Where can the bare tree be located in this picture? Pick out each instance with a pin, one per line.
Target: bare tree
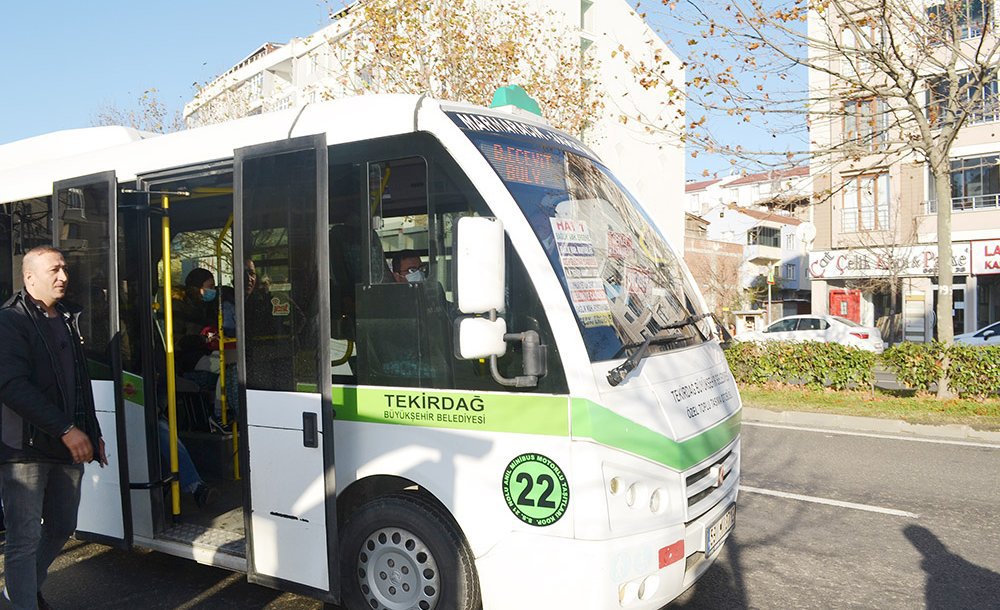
(895, 80)
(148, 114)
(890, 261)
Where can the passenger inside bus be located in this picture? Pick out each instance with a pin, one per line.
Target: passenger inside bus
(407, 267)
(195, 329)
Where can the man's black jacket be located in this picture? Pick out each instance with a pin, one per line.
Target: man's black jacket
(34, 413)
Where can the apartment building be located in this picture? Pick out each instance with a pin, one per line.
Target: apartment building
(765, 217)
(311, 69)
(875, 258)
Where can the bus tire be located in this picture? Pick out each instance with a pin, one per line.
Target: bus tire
(404, 551)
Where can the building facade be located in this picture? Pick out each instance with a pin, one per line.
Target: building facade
(650, 163)
(876, 257)
(765, 217)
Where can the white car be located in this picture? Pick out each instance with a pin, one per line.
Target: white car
(989, 335)
(823, 328)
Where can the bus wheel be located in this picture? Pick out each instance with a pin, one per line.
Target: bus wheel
(403, 551)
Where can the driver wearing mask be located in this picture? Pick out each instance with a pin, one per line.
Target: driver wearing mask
(407, 267)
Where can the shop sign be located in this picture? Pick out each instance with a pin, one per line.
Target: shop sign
(906, 261)
(986, 257)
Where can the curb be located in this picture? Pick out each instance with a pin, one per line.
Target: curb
(953, 432)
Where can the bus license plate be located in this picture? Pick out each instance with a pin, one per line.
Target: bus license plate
(717, 532)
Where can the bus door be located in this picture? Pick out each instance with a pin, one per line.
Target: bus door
(284, 364)
(84, 227)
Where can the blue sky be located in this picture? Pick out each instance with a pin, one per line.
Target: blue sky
(67, 60)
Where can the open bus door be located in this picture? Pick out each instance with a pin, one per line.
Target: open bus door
(84, 227)
(283, 326)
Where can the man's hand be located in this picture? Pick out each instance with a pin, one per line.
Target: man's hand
(79, 446)
(102, 458)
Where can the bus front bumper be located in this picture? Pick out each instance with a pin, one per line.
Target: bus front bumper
(641, 571)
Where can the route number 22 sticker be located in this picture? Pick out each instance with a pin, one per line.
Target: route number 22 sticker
(535, 489)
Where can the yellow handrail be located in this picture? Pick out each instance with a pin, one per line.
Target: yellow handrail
(168, 318)
(222, 349)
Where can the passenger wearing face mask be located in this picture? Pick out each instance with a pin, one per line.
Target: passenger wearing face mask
(407, 267)
(195, 327)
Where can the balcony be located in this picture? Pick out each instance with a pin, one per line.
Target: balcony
(966, 204)
(759, 254)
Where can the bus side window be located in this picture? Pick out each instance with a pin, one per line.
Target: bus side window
(405, 320)
(403, 324)
(347, 242)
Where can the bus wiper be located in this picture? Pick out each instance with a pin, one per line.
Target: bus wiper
(620, 372)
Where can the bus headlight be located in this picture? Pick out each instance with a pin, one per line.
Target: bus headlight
(616, 486)
(658, 499)
(635, 494)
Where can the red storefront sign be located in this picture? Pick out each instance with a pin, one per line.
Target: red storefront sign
(986, 257)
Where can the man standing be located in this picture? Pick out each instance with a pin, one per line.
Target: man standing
(48, 426)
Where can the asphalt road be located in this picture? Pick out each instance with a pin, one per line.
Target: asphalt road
(921, 529)
(825, 520)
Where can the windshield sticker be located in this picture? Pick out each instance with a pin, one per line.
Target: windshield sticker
(620, 246)
(536, 489)
(638, 281)
(576, 248)
(589, 301)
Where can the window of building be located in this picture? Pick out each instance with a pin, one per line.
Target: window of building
(866, 203)
(975, 184)
(764, 236)
(790, 242)
(866, 122)
(857, 40)
(978, 99)
(790, 271)
(966, 17)
(587, 15)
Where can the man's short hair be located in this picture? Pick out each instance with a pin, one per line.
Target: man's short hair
(397, 258)
(37, 251)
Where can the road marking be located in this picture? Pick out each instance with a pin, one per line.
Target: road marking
(937, 441)
(828, 502)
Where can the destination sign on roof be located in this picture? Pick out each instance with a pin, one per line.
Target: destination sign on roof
(482, 123)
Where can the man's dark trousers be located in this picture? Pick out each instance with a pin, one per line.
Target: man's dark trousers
(41, 505)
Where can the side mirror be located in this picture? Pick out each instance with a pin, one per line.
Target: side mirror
(988, 334)
(480, 338)
(480, 265)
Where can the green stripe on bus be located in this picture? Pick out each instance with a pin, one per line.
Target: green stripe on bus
(608, 428)
(480, 411)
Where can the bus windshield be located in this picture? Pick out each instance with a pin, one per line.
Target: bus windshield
(624, 282)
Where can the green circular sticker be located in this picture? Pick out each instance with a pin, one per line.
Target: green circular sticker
(536, 489)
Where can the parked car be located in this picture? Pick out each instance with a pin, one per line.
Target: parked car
(988, 335)
(823, 328)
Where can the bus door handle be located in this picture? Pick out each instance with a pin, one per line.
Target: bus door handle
(310, 430)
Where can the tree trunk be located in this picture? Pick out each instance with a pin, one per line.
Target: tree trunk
(945, 329)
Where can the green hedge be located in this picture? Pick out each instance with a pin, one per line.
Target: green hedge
(974, 370)
(811, 363)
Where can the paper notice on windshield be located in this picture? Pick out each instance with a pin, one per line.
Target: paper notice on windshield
(589, 301)
(620, 245)
(576, 248)
(638, 281)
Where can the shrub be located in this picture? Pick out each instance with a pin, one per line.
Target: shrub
(811, 363)
(974, 370)
(916, 365)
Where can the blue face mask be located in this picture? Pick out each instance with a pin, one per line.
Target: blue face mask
(209, 295)
(416, 275)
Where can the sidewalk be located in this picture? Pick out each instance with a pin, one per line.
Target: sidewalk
(952, 432)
